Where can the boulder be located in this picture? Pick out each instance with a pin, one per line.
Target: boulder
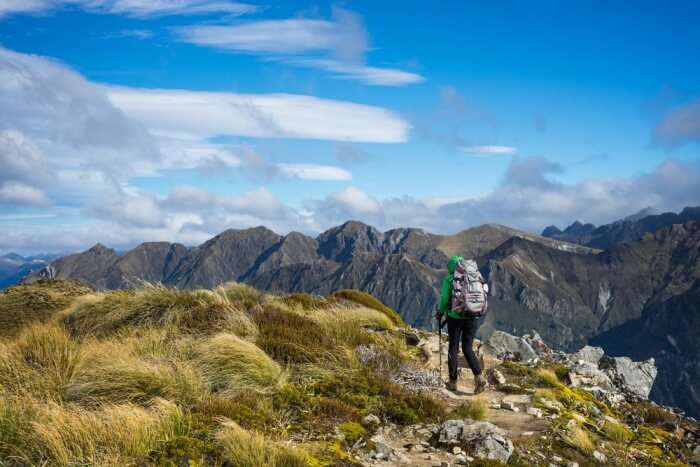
(635, 378)
(508, 347)
(480, 439)
(588, 354)
(585, 374)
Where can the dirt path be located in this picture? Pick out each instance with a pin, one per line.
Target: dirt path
(410, 444)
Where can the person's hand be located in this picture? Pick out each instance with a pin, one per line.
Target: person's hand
(438, 315)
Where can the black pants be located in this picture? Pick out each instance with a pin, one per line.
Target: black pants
(462, 331)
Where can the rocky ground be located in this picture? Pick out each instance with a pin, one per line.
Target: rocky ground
(598, 415)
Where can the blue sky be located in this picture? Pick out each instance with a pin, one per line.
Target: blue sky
(130, 120)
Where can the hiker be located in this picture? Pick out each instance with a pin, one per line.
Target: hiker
(463, 298)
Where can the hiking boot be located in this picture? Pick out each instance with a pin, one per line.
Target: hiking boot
(451, 385)
(479, 384)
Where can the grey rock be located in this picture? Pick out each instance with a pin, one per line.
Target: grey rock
(636, 378)
(505, 345)
(486, 440)
(382, 448)
(600, 457)
(450, 432)
(509, 405)
(496, 377)
(588, 354)
(535, 412)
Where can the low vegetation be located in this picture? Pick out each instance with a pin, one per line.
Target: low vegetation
(172, 377)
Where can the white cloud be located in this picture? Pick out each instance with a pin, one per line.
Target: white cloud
(315, 172)
(274, 36)
(338, 45)
(206, 114)
(487, 150)
(136, 8)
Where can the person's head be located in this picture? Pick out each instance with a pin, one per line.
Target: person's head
(452, 264)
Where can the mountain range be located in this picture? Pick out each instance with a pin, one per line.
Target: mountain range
(14, 267)
(628, 229)
(620, 297)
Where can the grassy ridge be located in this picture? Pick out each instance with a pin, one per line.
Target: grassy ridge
(205, 377)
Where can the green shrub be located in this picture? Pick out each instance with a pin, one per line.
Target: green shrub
(248, 410)
(365, 299)
(353, 432)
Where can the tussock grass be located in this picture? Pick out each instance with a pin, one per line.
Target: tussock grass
(198, 312)
(232, 365)
(144, 377)
(241, 296)
(548, 378)
(47, 347)
(109, 436)
(111, 373)
(16, 430)
(367, 300)
(617, 432)
(579, 439)
(289, 337)
(247, 449)
(27, 303)
(473, 409)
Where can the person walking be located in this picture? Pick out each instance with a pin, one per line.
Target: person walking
(463, 300)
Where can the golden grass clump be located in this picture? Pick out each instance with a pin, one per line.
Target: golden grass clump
(48, 348)
(27, 303)
(111, 373)
(232, 365)
(247, 449)
(578, 438)
(367, 300)
(111, 435)
(473, 409)
(617, 432)
(197, 312)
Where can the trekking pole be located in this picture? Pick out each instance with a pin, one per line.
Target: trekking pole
(439, 318)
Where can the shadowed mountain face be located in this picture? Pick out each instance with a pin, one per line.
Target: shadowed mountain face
(628, 229)
(568, 293)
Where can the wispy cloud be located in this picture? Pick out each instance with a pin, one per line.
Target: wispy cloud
(207, 114)
(680, 125)
(371, 75)
(133, 33)
(487, 150)
(338, 45)
(315, 172)
(135, 8)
